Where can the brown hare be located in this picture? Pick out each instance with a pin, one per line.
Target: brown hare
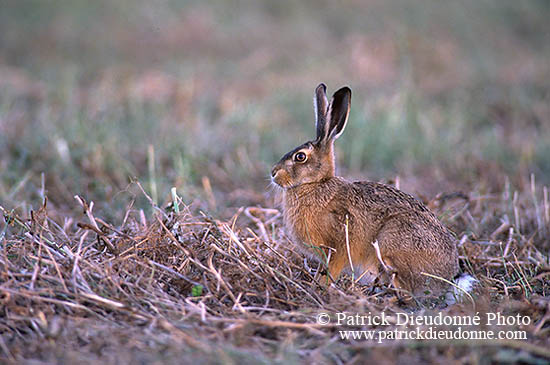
(368, 227)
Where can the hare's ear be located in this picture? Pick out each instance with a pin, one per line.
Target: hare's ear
(320, 103)
(338, 112)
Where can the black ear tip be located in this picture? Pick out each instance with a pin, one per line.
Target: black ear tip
(344, 90)
(343, 93)
(321, 86)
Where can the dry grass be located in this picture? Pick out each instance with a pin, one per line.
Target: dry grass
(185, 287)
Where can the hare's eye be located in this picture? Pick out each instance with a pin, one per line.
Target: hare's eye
(300, 157)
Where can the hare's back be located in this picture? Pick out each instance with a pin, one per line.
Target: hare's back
(383, 203)
(384, 196)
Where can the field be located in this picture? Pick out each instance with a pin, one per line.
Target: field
(136, 139)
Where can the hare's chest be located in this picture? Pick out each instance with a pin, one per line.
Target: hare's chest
(307, 226)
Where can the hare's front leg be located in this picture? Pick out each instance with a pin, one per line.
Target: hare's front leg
(336, 264)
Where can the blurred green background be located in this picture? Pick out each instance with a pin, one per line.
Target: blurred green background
(446, 94)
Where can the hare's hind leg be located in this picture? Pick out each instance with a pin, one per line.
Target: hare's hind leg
(407, 250)
(398, 275)
(415, 273)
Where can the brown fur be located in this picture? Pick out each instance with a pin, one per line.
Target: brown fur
(318, 205)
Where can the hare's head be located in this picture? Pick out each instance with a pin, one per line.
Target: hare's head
(313, 161)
